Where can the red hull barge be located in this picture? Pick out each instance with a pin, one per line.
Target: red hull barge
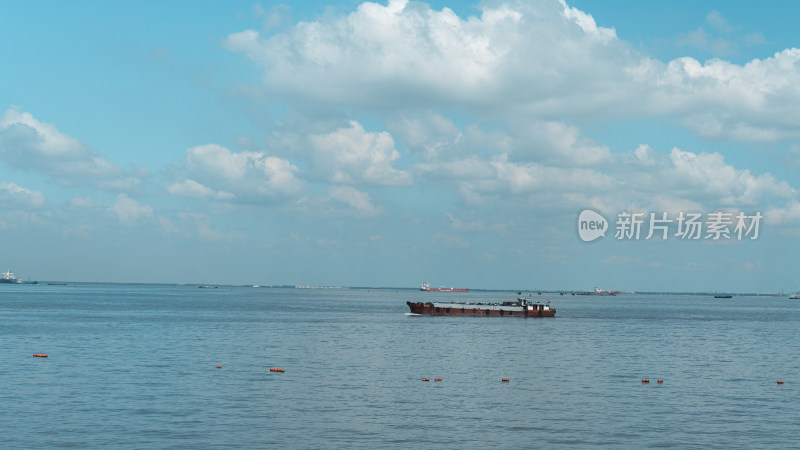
(427, 288)
(520, 308)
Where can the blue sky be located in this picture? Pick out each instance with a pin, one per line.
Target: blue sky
(394, 143)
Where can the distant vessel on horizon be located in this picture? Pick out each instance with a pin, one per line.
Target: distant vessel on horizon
(9, 278)
(427, 288)
(598, 291)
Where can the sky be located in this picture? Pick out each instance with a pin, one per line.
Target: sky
(393, 143)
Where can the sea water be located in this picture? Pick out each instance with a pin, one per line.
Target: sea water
(136, 367)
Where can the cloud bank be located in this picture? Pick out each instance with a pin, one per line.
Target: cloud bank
(543, 59)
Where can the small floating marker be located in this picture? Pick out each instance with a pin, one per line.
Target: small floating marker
(437, 379)
(275, 369)
(780, 381)
(44, 355)
(506, 380)
(645, 380)
(660, 381)
(219, 366)
(426, 379)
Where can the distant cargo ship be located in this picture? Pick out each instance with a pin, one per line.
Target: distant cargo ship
(9, 278)
(427, 287)
(598, 291)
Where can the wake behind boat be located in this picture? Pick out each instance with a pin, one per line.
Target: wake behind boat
(427, 287)
(520, 308)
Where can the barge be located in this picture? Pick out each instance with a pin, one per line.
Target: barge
(522, 307)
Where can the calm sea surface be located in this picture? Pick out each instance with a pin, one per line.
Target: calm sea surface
(135, 367)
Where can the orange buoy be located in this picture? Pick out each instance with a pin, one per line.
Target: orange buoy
(660, 381)
(645, 380)
(437, 379)
(40, 355)
(219, 367)
(505, 380)
(780, 381)
(426, 379)
(275, 369)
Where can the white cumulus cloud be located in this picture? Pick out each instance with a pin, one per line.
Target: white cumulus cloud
(536, 59)
(13, 196)
(407, 53)
(191, 188)
(355, 156)
(129, 211)
(214, 171)
(31, 144)
(701, 178)
(358, 202)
